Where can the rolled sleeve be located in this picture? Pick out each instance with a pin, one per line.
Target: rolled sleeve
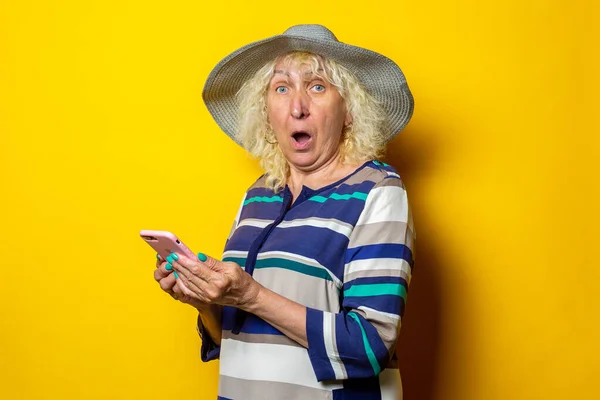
(359, 341)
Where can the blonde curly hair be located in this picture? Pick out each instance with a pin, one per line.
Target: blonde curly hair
(362, 140)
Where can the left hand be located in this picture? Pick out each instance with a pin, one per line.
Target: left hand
(216, 282)
(168, 283)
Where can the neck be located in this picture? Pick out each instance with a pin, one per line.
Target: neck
(331, 171)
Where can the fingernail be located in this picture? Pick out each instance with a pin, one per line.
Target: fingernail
(170, 259)
(175, 256)
(202, 257)
(176, 276)
(158, 257)
(168, 267)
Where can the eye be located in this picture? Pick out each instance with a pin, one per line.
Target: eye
(318, 88)
(281, 89)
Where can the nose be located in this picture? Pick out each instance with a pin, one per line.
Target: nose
(299, 107)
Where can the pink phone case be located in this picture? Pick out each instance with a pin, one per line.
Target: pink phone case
(165, 243)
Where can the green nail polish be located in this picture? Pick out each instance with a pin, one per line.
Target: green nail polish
(202, 257)
(175, 256)
(157, 257)
(170, 259)
(168, 267)
(176, 276)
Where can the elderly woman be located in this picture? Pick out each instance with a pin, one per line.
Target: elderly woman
(307, 300)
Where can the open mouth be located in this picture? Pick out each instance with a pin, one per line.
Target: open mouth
(301, 138)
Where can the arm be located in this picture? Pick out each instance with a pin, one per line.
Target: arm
(209, 316)
(284, 314)
(209, 323)
(209, 329)
(360, 340)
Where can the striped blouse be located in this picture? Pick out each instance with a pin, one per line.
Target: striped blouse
(345, 251)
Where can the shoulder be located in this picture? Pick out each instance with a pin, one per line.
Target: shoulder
(375, 174)
(259, 187)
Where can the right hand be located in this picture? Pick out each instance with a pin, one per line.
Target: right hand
(169, 284)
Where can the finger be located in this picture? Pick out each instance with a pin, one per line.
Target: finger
(181, 286)
(212, 265)
(167, 283)
(191, 282)
(189, 268)
(164, 269)
(210, 262)
(177, 296)
(176, 289)
(159, 260)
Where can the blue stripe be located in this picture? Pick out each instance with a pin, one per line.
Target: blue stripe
(307, 241)
(388, 303)
(316, 345)
(252, 323)
(387, 250)
(368, 280)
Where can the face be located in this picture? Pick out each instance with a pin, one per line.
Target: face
(307, 115)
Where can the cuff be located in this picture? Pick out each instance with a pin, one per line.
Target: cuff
(209, 349)
(317, 351)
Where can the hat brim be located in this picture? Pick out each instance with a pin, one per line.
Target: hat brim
(379, 75)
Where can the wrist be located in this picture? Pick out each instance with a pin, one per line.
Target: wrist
(253, 298)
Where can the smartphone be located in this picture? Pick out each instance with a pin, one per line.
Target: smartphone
(165, 243)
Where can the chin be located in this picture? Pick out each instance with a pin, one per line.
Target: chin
(302, 160)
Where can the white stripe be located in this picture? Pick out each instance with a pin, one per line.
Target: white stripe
(333, 224)
(386, 203)
(393, 174)
(235, 253)
(304, 260)
(270, 362)
(390, 384)
(374, 264)
(258, 223)
(237, 218)
(394, 317)
(331, 347)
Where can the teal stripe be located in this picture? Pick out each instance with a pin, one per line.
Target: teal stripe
(293, 266)
(368, 349)
(263, 199)
(335, 196)
(376, 289)
(241, 261)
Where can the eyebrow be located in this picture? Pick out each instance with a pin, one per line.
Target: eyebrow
(307, 73)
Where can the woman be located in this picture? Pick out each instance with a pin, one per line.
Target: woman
(308, 298)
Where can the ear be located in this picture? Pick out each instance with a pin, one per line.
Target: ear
(348, 120)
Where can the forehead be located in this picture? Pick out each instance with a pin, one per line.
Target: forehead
(302, 69)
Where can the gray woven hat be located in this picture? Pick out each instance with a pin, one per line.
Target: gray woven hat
(380, 76)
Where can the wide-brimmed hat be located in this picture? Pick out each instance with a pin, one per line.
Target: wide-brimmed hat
(379, 75)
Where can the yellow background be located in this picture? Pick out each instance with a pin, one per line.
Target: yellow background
(103, 133)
